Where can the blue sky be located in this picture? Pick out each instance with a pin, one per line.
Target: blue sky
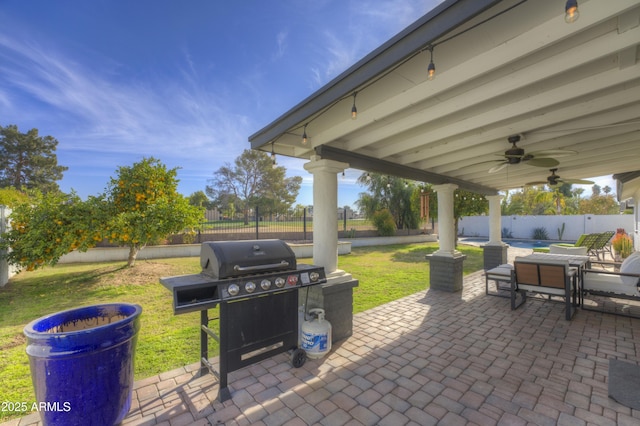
(184, 81)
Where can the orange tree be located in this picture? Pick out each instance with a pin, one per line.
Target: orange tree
(145, 206)
(46, 226)
(141, 206)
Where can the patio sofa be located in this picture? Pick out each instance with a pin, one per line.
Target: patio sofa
(622, 283)
(550, 277)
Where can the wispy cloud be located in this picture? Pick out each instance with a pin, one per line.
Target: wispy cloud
(158, 115)
(186, 112)
(281, 44)
(371, 22)
(392, 14)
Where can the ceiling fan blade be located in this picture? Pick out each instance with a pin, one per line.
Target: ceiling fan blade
(543, 182)
(577, 181)
(543, 162)
(498, 167)
(552, 153)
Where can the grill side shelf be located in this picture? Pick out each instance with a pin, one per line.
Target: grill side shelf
(192, 293)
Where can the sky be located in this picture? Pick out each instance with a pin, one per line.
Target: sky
(186, 82)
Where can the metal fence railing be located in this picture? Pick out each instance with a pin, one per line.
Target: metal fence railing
(296, 224)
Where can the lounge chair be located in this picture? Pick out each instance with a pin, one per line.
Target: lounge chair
(581, 247)
(601, 245)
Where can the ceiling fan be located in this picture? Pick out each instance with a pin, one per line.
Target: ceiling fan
(516, 155)
(554, 179)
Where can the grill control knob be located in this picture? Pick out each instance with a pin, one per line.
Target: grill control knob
(233, 289)
(250, 287)
(280, 282)
(265, 284)
(314, 276)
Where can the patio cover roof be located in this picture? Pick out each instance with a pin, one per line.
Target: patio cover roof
(504, 67)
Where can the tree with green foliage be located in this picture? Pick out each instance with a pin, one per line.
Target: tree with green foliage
(600, 202)
(145, 206)
(47, 226)
(10, 197)
(28, 161)
(465, 203)
(200, 199)
(141, 207)
(390, 193)
(253, 181)
(559, 199)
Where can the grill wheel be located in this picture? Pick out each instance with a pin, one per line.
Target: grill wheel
(298, 357)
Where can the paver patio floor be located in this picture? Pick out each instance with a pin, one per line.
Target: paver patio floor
(430, 358)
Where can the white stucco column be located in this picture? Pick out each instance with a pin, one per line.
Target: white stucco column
(325, 210)
(446, 222)
(636, 220)
(495, 220)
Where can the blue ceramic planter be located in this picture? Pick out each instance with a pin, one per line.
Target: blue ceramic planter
(82, 363)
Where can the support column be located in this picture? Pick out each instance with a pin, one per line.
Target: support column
(636, 220)
(325, 210)
(445, 265)
(336, 296)
(446, 221)
(495, 251)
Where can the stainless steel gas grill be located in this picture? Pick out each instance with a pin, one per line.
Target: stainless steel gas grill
(256, 285)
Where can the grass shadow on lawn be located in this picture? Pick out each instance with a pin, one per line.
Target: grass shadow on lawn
(31, 295)
(473, 262)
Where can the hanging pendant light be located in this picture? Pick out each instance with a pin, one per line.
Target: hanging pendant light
(571, 11)
(273, 158)
(305, 139)
(431, 69)
(354, 110)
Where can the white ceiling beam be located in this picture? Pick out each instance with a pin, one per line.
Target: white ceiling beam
(509, 51)
(570, 137)
(518, 79)
(540, 107)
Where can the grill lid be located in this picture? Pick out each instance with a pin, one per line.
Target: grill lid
(224, 259)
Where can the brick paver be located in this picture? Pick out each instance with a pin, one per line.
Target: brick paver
(430, 358)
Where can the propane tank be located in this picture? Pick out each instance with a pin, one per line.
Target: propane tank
(316, 335)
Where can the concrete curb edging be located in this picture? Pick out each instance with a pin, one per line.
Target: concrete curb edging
(304, 250)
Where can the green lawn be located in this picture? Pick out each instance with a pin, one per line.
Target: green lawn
(167, 341)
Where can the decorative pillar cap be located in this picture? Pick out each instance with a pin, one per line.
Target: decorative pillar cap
(318, 164)
(445, 187)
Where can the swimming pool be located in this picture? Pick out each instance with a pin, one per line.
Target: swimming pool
(513, 242)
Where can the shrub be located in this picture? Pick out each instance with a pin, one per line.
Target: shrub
(540, 234)
(384, 223)
(506, 233)
(622, 244)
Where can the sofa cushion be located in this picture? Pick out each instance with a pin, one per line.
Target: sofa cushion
(631, 265)
(608, 283)
(560, 249)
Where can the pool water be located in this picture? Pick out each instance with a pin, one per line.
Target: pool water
(529, 244)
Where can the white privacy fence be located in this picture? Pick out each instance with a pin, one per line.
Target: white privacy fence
(523, 226)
